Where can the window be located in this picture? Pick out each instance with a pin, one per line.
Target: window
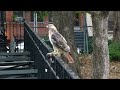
(4, 16)
(18, 16)
(18, 13)
(32, 16)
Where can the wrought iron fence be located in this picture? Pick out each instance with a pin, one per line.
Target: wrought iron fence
(55, 69)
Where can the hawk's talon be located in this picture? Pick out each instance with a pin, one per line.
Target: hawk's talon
(48, 55)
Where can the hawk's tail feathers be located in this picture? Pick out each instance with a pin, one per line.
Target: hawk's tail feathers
(70, 59)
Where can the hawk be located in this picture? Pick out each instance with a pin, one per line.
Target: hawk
(59, 43)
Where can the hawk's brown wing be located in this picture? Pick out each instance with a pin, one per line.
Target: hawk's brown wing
(59, 41)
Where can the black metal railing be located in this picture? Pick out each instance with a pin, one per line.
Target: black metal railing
(47, 69)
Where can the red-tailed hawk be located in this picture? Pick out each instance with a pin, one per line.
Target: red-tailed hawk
(59, 43)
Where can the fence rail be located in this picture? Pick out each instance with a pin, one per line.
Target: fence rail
(47, 69)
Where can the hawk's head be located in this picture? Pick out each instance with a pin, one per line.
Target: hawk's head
(51, 27)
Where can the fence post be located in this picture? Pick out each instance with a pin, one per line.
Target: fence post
(86, 32)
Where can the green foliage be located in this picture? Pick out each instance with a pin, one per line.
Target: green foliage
(14, 16)
(114, 51)
(90, 44)
(42, 14)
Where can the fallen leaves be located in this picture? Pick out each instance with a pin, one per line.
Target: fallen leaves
(86, 68)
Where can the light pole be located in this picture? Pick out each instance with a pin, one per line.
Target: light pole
(35, 22)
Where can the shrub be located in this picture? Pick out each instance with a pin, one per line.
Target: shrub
(114, 51)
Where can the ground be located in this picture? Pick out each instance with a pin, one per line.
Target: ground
(86, 66)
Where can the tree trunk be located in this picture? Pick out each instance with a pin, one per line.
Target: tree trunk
(64, 21)
(116, 32)
(100, 69)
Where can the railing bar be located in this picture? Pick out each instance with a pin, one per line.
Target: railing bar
(14, 54)
(27, 71)
(42, 54)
